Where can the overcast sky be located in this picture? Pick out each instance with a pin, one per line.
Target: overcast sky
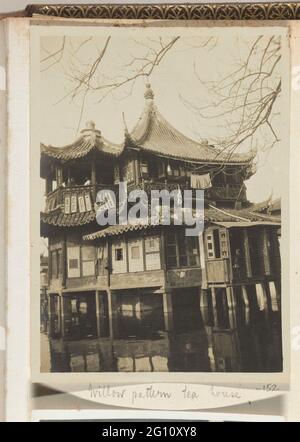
(176, 77)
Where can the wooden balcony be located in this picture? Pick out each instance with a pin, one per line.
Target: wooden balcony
(152, 278)
(56, 198)
(184, 277)
(229, 192)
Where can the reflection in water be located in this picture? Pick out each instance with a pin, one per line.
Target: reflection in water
(252, 345)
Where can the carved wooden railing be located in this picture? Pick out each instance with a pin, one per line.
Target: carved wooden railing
(56, 198)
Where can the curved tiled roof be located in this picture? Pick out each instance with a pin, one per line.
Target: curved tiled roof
(152, 133)
(155, 134)
(214, 214)
(117, 230)
(89, 139)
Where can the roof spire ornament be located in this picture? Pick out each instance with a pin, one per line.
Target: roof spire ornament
(90, 125)
(149, 95)
(90, 130)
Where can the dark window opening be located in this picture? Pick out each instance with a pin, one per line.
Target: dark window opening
(182, 250)
(73, 263)
(238, 253)
(119, 254)
(217, 243)
(255, 236)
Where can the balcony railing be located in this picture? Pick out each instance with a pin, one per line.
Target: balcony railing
(56, 198)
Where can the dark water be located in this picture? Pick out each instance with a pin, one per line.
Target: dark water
(252, 345)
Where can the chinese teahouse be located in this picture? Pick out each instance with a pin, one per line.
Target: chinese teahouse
(99, 274)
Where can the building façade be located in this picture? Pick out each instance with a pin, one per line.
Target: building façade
(99, 276)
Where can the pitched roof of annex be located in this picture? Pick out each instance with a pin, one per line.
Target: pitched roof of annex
(226, 218)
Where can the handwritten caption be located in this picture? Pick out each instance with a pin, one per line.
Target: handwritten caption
(150, 392)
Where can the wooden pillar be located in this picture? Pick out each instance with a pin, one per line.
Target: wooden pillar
(59, 313)
(261, 297)
(69, 177)
(64, 260)
(247, 254)
(168, 311)
(98, 312)
(202, 261)
(48, 185)
(268, 299)
(245, 296)
(277, 285)
(93, 174)
(273, 296)
(231, 307)
(59, 175)
(62, 315)
(49, 266)
(50, 315)
(211, 356)
(246, 304)
(214, 306)
(275, 257)
(204, 304)
(266, 251)
(108, 256)
(112, 313)
(230, 297)
(203, 299)
(138, 307)
(163, 251)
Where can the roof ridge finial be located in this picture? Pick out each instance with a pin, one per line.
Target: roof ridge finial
(90, 131)
(149, 94)
(90, 125)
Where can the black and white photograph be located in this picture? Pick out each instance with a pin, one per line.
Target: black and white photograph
(164, 157)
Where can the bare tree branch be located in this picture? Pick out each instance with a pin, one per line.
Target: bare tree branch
(89, 79)
(244, 99)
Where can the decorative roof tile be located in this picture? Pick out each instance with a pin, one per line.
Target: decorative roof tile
(68, 220)
(117, 230)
